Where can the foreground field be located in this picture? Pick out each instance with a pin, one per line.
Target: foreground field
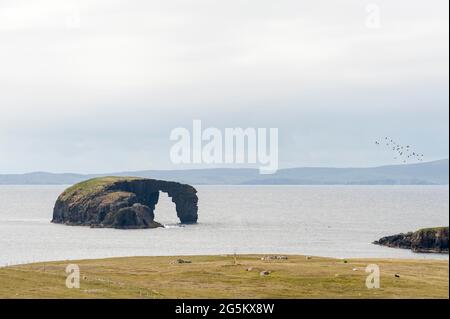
(227, 277)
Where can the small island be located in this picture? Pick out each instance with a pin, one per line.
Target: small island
(426, 240)
(122, 202)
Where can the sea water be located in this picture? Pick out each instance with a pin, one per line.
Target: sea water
(334, 221)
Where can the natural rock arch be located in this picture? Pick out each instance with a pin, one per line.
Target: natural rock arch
(183, 195)
(122, 202)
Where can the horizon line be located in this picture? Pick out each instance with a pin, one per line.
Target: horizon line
(222, 168)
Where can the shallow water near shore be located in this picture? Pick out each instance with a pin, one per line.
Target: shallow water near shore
(331, 221)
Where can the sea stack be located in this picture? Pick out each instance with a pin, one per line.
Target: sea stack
(122, 202)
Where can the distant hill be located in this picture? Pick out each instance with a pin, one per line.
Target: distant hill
(429, 173)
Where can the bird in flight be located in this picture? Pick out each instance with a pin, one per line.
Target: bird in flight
(405, 153)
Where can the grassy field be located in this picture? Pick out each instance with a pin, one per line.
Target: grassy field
(227, 277)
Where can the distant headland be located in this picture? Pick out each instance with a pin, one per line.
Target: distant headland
(426, 173)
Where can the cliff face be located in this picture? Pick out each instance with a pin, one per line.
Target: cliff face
(422, 241)
(118, 202)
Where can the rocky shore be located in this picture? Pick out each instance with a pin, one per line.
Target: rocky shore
(426, 240)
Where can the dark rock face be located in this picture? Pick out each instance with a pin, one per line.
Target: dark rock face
(398, 241)
(122, 202)
(136, 216)
(434, 240)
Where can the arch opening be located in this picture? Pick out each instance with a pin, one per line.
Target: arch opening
(165, 210)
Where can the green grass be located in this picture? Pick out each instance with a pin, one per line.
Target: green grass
(433, 229)
(92, 186)
(223, 277)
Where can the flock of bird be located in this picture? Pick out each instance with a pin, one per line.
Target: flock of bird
(404, 153)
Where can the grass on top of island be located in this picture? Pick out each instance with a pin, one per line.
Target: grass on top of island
(227, 277)
(93, 186)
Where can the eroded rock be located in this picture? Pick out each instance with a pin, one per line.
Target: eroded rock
(119, 202)
(434, 240)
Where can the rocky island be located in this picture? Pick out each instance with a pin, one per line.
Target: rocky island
(426, 240)
(122, 202)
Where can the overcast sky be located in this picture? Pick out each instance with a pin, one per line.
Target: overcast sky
(97, 86)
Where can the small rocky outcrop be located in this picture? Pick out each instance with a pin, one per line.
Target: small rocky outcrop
(122, 202)
(427, 240)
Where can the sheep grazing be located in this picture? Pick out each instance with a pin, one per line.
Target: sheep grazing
(274, 258)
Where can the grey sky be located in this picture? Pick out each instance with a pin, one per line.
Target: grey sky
(97, 86)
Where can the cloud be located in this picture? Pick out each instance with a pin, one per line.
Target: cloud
(110, 71)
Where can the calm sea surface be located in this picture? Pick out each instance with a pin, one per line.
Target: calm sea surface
(335, 221)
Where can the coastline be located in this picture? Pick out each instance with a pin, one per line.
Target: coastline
(227, 276)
